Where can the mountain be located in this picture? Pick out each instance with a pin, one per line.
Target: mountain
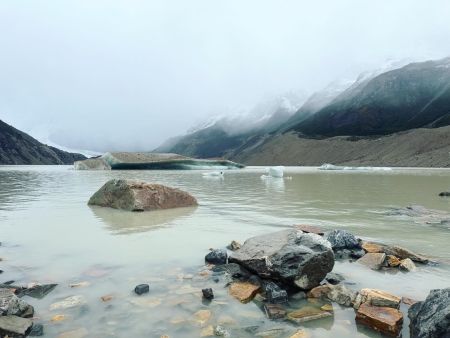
(414, 96)
(17, 147)
(221, 136)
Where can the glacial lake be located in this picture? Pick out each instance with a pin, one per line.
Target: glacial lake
(50, 235)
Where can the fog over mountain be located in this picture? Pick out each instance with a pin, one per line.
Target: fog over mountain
(120, 75)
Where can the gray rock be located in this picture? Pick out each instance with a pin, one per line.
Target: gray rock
(431, 317)
(274, 294)
(37, 330)
(141, 289)
(292, 257)
(407, 265)
(445, 194)
(342, 239)
(341, 295)
(14, 326)
(38, 291)
(134, 195)
(217, 256)
(373, 260)
(334, 278)
(11, 305)
(208, 293)
(220, 331)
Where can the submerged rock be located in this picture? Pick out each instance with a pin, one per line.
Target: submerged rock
(37, 330)
(334, 278)
(289, 256)
(274, 293)
(14, 326)
(431, 317)
(373, 260)
(217, 256)
(69, 302)
(208, 293)
(274, 311)
(382, 319)
(307, 314)
(336, 293)
(38, 291)
(140, 196)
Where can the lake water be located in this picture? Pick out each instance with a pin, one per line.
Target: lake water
(50, 235)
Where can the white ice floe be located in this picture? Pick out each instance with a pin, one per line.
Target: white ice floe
(328, 166)
(277, 172)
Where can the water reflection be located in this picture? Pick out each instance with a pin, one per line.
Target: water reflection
(121, 222)
(273, 183)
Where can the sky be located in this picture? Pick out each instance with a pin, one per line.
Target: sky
(126, 75)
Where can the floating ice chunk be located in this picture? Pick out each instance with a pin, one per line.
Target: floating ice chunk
(213, 174)
(327, 166)
(275, 171)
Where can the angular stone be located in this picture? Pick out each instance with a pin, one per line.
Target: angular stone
(11, 305)
(371, 247)
(306, 314)
(310, 229)
(243, 291)
(217, 256)
(289, 256)
(140, 196)
(342, 239)
(407, 265)
(274, 293)
(13, 326)
(403, 253)
(38, 291)
(37, 330)
(274, 311)
(141, 289)
(234, 270)
(431, 317)
(106, 298)
(336, 293)
(382, 319)
(376, 297)
(208, 293)
(408, 301)
(373, 260)
(392, 261)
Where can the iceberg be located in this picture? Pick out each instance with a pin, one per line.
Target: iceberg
(152, 161)
(275, 171)
(328, 166)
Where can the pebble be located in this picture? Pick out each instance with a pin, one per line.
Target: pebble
(208, 293)
(141, 289)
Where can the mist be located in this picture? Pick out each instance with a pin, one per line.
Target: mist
(127, 75)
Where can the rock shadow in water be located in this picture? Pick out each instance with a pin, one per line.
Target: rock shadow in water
(121, 222)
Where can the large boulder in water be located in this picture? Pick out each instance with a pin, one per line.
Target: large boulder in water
(292, 257)
(140, 196)
(431, 318)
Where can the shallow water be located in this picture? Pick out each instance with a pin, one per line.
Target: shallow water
(49, 234)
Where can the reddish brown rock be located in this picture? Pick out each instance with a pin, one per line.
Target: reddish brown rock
(307, 314)
(319, 291)
(371, 247)
(386, 320)
(243, 291)
(140, 196)
(392, 261)
(310, 229)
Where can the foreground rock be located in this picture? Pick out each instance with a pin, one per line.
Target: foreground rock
(289, 256)
(150, 161)
(431, 317)
(243, 291)
(140, 196)
(11, 305)
(383, 319)
(13, 326)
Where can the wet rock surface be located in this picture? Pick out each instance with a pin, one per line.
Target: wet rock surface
(376, 298)
(135, 195)
(431, 317)
(289, 256)
(373, 260)
(383, 319)
(141, 289)
(217, 256)
(11, 305)
(14, 326)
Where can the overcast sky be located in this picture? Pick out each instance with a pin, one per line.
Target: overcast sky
(126, 75)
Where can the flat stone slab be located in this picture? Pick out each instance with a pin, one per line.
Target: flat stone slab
(386, 320)
(371, 247)
(373, 260)
(307, 314)
(376, 297)
(243, 291)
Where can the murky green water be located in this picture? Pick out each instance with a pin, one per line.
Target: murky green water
(49, 234)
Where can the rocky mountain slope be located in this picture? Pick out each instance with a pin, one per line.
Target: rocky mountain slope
(17, 147)
(349, 123)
